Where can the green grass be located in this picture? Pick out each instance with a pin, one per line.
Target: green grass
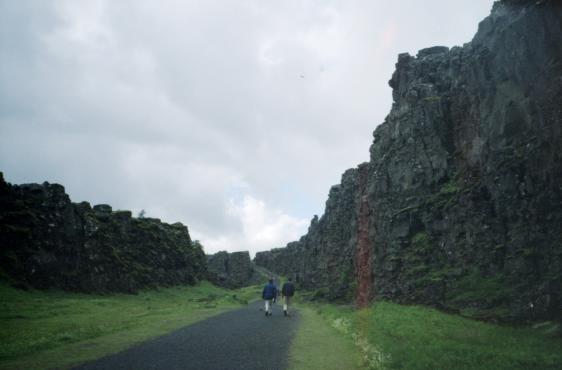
(317, 345)
(491, 292)
(392, 336)
(248, 294)
(54, 329)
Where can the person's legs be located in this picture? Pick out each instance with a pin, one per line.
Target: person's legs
(286, 305)
(266, 307)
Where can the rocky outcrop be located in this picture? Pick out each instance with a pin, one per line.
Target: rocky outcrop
(231, 270)
(463, 194)
(48, 241)
(323, 259)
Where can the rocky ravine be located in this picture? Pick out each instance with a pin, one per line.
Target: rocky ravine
(460, 205)
(48, 241)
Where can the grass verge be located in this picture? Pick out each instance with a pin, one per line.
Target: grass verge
(317, 345)
(392, 336)
(54, 329)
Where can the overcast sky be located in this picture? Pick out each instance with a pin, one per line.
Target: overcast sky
(232, 117)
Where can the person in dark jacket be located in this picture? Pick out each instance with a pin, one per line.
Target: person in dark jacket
(269, 294)
(287, 292)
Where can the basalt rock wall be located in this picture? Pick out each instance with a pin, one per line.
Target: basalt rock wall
(46, 241)
(323, 258)
(463, 190)
(232, 270)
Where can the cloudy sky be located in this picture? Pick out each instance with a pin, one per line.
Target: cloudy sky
(233, 117)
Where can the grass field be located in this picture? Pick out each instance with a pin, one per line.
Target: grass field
(53, 329)
(392, 336)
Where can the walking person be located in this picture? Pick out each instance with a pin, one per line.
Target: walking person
(269, 294)
(287, 293)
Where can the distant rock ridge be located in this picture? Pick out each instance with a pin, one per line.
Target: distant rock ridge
(49, 242)
(233, 270)
(461, 202)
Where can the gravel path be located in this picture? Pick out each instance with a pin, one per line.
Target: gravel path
(239, 339)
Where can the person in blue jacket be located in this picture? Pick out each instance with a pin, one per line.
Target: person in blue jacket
(288, 291)
(269, 294)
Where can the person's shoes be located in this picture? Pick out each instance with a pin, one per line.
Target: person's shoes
(285, 312)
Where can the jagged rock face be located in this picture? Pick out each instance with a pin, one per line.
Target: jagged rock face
(48, 241)
(232, 270)
(464, 184)
(323, 257)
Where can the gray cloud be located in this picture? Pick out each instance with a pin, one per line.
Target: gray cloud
(232, 117)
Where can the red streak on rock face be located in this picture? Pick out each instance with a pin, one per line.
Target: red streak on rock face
(363, 256)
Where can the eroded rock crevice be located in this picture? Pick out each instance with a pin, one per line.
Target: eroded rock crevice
(364, 250)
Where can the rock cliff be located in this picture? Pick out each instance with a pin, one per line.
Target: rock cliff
(460, 205)
(48, 241)
(232, 270)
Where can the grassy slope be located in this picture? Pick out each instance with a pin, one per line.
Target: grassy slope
(319, 346)
(414, 337)
(58, 329)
